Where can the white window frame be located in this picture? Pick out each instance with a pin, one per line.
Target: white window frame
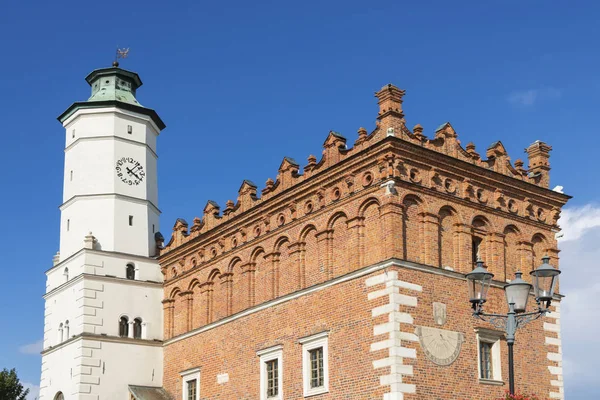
(310, 343)
(492, 337)
(266, 355)
(190, 375)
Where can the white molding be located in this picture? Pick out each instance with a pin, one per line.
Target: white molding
(310, 343)
(266, 355)
(108, 110)
(186, 376)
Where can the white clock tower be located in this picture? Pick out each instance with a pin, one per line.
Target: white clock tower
(103, 314)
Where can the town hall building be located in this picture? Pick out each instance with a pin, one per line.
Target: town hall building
(343, 277)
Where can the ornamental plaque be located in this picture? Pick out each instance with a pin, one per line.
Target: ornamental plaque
(440, 346)
(439, 313)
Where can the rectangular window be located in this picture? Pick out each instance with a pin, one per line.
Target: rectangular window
(272, 378)
(131, 220)
(71, 178)
(485, 355)
(271, 371)
(489, 363)
(73, 133)
(315, 363)
(152, 228)
(191, 389)
(68, 225)
(190, 384)
(316, 368)
(129, 129)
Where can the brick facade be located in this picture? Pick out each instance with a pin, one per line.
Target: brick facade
(307, 255)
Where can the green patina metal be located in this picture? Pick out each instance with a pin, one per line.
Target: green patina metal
(113, 87)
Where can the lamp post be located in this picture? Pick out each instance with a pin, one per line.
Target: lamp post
(517, 294)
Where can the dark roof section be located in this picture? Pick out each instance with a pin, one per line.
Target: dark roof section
(291, 161)
(113, 103)
(135, 78)
(337, 134)
(148, 393)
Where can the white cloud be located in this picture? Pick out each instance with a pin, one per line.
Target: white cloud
(580, 283)
(32, 348)
(526, 98)
(576, 221)
(34, 390)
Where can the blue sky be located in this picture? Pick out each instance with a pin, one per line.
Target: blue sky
(243, 84)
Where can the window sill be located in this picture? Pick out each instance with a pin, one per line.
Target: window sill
(490, 382)
(315, 392)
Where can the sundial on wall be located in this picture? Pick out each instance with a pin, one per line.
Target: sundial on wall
(440, 346)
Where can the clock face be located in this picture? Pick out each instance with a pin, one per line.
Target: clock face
(440, 346)
(130, 171)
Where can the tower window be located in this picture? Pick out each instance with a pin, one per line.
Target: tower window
(66, 274)
(66, 330)
(131, 220)
(71, 175)
(152, 228)
(129, 129)
(124, 327)
(60, 333)
(68, 225)
(130, 271)
(73, 133)
(137, 328)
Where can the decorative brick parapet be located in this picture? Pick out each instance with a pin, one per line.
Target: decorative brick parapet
(396, 317)
(554, 344)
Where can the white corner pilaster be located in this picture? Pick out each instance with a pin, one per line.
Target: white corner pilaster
(554, 343)
(388, 335)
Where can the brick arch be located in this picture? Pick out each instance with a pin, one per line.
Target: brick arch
(480, 244)
(233, 263)
(284, 267)
(337, 258)
(306, 230)
(447, 237)
(370, 233)
(174, 292)
(412, 228)
(512, 258)
(312, 268)
(261, 278)
(334, 217)
(367, 204)
(198, 312)
(539, 248)
(239, 290)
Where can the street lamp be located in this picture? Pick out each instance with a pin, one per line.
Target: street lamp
(517, 294)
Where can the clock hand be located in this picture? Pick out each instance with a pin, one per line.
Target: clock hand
(132, 173)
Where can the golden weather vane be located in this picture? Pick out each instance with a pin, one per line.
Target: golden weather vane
(121, 53)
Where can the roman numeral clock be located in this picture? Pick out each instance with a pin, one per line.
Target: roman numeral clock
(130, 171)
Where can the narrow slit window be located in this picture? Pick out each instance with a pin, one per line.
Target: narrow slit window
(129, 129)
(152, 228)
(68, 225)
(476, 248)
(71, 175)
(73, 133)
(131, 220)
(124, 327)
(137, 329)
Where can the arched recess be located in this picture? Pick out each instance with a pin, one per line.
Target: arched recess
(311, 258)
(59, 396)
(339, 248)
(217, 296)
(199, 311)
(447, 237)
(263, 277)
(240, 293)
(539, 249)
(412, 228)
(511, 252)
(371, 237)
(285, 273)
(179, 313)
(480, 227)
